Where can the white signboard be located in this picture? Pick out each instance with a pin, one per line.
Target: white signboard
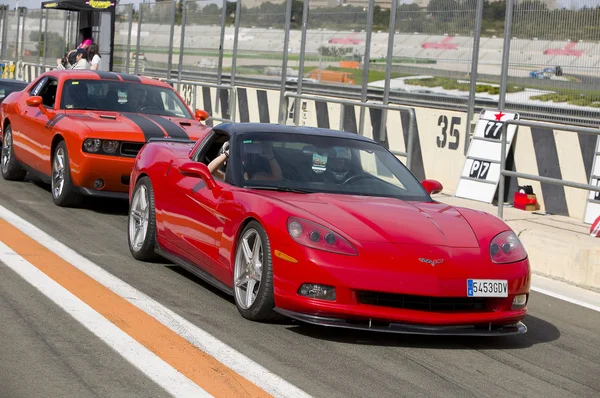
(481, 173)
(592, 208)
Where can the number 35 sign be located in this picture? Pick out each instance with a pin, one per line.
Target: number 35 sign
(481, 173)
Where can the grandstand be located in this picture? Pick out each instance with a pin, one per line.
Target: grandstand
(445, 52)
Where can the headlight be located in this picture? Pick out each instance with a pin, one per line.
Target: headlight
(507, 248)
(92, 145)
(311, 234)
(110, 146)
(96, 145)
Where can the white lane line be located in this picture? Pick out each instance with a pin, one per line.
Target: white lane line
(238, 362)
(566, 298)
(139, 356)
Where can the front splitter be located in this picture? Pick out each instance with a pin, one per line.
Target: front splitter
(402, 328)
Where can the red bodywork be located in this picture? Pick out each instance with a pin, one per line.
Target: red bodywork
(36, 131)
(202, 226)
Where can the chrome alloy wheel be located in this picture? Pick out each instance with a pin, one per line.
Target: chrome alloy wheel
(58, 172)
(248, 268)
(139, 214)
(6, 151)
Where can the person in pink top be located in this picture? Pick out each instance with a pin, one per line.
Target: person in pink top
(86, 38)
(86, 41)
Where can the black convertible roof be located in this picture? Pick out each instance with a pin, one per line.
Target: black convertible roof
(245, 128)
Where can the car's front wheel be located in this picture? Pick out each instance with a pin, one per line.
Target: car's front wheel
(64, 192)
(253, 274)
(142, 222)
(11, 169)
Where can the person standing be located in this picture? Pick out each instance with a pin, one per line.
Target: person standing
(94, 57)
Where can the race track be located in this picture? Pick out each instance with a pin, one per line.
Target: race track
(44, 349)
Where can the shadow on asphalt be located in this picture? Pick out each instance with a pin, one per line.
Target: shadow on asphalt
(539, 331)
(108, 206)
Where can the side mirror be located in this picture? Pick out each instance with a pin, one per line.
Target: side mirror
(432, 186)
(201, 115)
(35, 101)
(199, 170)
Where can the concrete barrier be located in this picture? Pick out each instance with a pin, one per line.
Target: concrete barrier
(438, 151)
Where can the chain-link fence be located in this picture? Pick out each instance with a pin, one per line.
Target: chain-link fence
(553, 68)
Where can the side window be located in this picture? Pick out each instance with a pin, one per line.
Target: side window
(36, 88)
(48, 93)
(209, 151)
(210, 147)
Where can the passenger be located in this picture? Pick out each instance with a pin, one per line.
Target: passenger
(261, 167)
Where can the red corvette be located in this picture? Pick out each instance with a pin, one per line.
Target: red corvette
(328, 228)
(81, 130)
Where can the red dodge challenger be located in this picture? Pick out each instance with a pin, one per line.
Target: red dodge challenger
(325, 227)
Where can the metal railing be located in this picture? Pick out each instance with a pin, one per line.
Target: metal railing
(219, 87)
(555, 181)
(21, 70)
(411, 112)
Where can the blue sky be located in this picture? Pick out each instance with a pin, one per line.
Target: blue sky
(33, 4)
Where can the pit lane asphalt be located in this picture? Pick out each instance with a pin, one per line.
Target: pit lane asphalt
(558, 357)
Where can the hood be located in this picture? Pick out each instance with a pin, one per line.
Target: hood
(388, 220)
(138, 127)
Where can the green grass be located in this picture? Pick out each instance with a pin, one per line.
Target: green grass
(574, 98)
(453, 84)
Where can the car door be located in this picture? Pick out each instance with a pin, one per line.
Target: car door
(23, 126)
(43, 125)
(192, 212)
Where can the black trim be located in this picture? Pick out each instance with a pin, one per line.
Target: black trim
(129, 78)
(46, 179)
(171, 128)
(103, 194)
(108, 75)
(148, 127)
(200, 273)
(401, 328)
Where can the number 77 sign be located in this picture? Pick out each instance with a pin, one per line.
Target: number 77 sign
(481, 172)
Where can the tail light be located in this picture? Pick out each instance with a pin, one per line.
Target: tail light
(507, 248)
(316, 236)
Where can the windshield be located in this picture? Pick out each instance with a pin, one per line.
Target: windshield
(116, 96)
(313, 163)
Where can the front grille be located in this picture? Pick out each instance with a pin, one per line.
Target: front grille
(131, 149)
(422, 303)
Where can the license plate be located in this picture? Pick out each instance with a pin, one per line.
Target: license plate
(487, 288)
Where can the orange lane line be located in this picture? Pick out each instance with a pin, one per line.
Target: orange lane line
(210, 374)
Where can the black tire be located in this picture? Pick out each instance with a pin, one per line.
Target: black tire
(262, 307)
(68, 196)
(11, 170)
(146, 251)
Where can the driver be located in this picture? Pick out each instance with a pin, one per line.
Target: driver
(135, 99)
(338, 164)
(221, 160)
